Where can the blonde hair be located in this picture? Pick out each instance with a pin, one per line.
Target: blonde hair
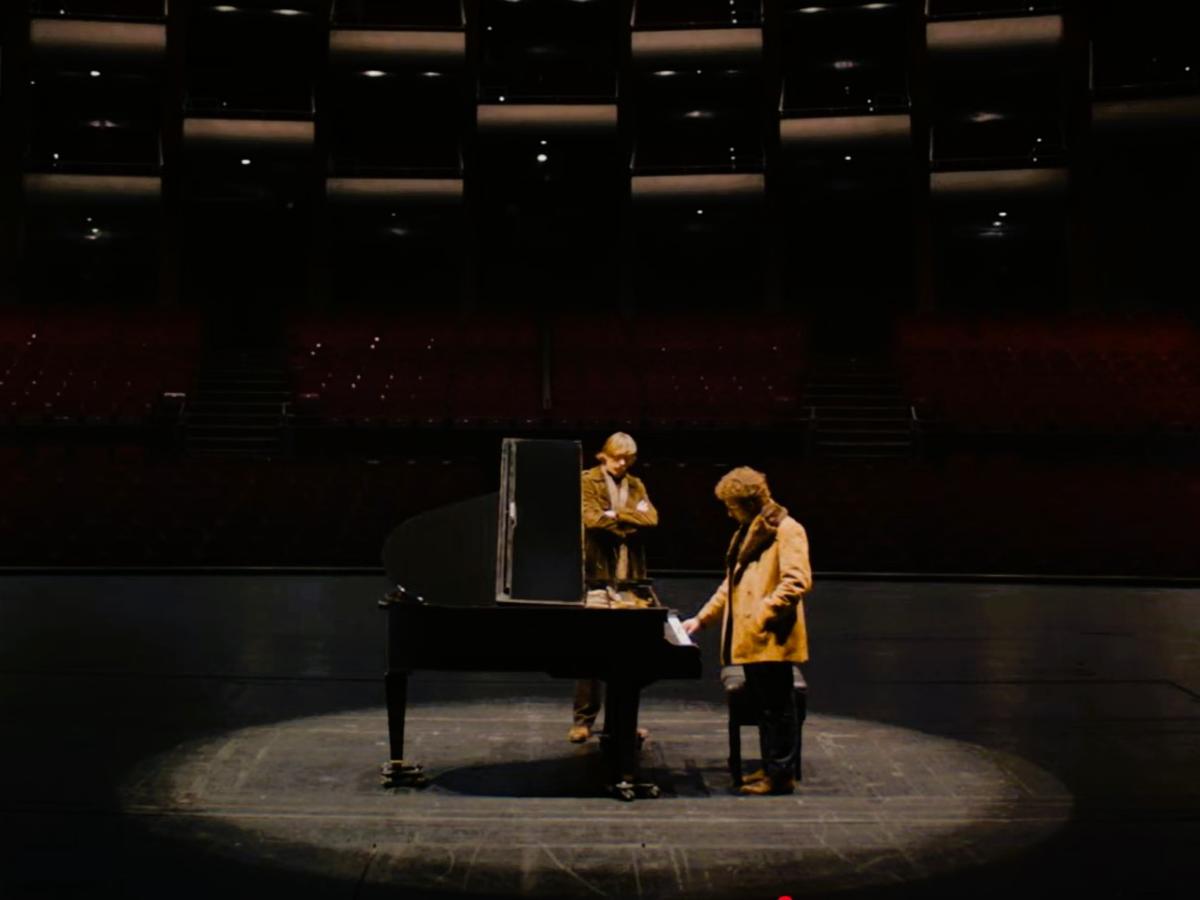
(743, 485)
(618, 444)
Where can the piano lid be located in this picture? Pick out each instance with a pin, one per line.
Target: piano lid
(522, 545)
(447, 556)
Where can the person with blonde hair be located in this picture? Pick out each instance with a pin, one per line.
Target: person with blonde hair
(761, 610)
(616, 509)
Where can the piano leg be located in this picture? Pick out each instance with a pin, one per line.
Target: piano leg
(620, 721)
(397, 771)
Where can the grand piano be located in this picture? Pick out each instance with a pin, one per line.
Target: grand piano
(495, 584)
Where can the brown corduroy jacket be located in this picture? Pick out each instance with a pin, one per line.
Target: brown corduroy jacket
(762, 615)
(603, 535)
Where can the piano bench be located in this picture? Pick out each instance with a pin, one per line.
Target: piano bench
(742, 712)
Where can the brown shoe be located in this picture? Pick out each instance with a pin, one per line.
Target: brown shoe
(768, 785)
(756, 775)
(578, 734)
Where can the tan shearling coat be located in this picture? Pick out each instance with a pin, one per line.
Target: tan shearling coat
(762, 614)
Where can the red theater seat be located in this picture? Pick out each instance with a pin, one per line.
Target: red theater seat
(1045, 374)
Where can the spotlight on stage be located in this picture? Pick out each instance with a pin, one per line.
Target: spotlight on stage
(512, 808)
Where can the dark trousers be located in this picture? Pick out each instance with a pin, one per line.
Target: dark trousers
(771, 690)
(589, 697)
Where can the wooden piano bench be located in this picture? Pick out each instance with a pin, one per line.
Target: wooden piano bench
(742, 712)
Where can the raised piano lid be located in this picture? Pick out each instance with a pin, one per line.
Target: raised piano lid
(521, 546)
(447, 556)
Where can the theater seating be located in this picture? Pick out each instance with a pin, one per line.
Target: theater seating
(87, 365)
(409, 369)
(1089, 374)
(648, 371)
(681, 369)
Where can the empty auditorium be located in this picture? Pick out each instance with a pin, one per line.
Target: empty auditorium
(644, 449)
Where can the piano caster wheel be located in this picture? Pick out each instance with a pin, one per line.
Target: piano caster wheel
(398, 773)
(628, 791)
(648, 791)
(624, 791)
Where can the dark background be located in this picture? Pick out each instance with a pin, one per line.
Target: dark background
(927, 266)
(266, 292)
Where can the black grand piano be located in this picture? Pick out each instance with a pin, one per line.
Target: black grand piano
(495, 584)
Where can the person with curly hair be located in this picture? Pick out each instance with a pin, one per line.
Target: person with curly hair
(760, 605)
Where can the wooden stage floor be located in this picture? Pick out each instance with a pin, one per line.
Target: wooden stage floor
(199, 735)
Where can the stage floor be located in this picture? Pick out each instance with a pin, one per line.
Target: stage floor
(196, 735)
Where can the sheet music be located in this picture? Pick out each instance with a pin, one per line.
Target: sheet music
(674, 631)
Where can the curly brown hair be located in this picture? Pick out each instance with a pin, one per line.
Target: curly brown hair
(743, 484)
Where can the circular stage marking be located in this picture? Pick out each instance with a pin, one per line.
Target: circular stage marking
(513, 809)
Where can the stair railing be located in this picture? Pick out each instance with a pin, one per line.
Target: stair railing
(916, 432)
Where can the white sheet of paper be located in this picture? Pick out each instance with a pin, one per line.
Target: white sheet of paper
(676, 628)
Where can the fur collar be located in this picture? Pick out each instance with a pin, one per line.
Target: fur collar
(751, 540)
